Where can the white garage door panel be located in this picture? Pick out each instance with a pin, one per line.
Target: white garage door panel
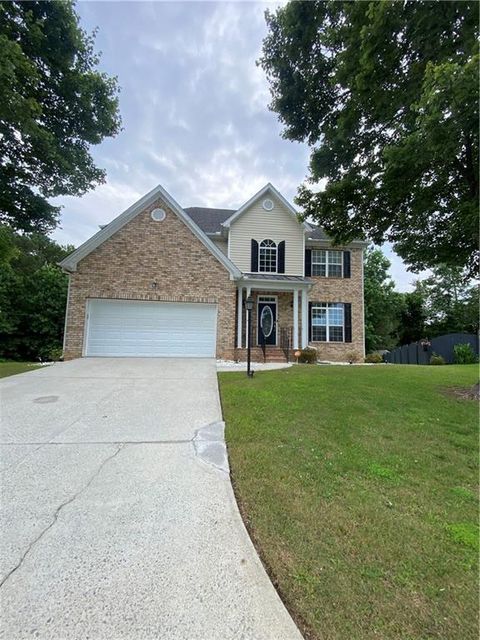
(124, 328)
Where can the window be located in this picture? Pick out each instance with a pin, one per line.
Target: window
(327, 322)
(267, 258)
(327, 263)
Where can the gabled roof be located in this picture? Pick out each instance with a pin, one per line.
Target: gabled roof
(268, 188)
(71, 261)
(209, 220)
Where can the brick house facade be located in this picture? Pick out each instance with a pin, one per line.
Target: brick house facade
(177, 263)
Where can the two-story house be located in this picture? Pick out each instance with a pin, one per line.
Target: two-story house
(162, 280)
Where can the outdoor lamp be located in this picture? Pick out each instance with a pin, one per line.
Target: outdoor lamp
(249, 307)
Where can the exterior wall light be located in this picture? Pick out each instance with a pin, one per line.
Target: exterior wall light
(249, 307)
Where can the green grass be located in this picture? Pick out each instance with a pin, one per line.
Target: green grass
(359, 488)
(12, 368)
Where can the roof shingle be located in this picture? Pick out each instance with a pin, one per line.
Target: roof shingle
(209, 220)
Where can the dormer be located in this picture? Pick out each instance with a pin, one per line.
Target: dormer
(265, 235)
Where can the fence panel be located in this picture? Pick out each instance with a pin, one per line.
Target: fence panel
(412, 350)
(415, 353)
(443, 345)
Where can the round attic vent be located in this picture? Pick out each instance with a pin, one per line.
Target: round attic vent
(158, 215)
(267, 204)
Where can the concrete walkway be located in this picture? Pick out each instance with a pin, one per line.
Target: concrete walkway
(119, 519)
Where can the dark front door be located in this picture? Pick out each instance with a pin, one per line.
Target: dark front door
(267, 323)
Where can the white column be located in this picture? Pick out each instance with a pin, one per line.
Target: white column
(304, 319)
(295, 319)
(247, 324)
(239, 316)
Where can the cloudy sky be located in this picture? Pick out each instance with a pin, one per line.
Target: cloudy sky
(195, 112)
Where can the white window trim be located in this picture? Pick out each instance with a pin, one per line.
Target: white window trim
(325, 305)
(276, 255)
(326, 263)
(267, 300)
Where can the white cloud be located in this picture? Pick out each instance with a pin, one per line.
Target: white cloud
(194, 108)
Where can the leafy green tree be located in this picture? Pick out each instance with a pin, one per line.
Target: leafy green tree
(451, 303)
(413, 317)
(386, 94)
(33, 295)
(54, 104)
(382, 302)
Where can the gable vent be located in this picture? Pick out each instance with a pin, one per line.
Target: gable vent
(267, 204)
(158, 215)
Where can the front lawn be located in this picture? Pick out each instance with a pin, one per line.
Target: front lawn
(12, 368)
(359, 488)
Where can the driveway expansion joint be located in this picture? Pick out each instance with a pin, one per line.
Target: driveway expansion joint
(57, 513)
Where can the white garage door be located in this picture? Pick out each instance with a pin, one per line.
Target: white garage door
(150, 329)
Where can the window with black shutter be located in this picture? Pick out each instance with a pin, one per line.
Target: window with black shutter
(254, 256)
(347, 312)
(308, 262)
(346, 264)
(281, 257)
(330, 322)
(328, 263)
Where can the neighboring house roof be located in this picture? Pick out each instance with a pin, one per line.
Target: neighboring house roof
(71, 261)
(209, 220)
(268, 188)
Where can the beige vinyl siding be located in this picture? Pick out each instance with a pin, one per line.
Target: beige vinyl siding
(276, 225)
(221, 244)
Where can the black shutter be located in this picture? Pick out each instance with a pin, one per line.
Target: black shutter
(254, 257)
(310, 321)
(308, 262)
(281, 257)
(346, 264)
(347, 313)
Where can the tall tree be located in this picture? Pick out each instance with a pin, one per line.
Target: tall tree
(33, 294)
(386, 94)
(451, 303)
(54, 104)
(413, 316)
(382, 302)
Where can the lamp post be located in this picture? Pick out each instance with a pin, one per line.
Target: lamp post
(249, 307)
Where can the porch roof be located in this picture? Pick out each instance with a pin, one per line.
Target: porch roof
(274, 280)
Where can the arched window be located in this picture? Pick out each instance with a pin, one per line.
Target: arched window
(267, 256)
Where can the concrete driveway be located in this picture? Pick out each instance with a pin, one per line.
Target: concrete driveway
(119, 519)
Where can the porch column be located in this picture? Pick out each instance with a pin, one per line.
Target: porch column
(247, 324)
(295, 319)
(304, 319)
(239, 317)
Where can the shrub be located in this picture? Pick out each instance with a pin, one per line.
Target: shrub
(56, 354)
(308, 355)
(436, 359)
(464, 354)
(352, 357)
(374, 358)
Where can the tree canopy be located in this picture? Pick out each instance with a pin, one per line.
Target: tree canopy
(439, 304)
(54, 104)
(33, 295)
(386, 94)
(382, 302)
(450, 303)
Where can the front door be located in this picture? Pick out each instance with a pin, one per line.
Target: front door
(267, 323)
